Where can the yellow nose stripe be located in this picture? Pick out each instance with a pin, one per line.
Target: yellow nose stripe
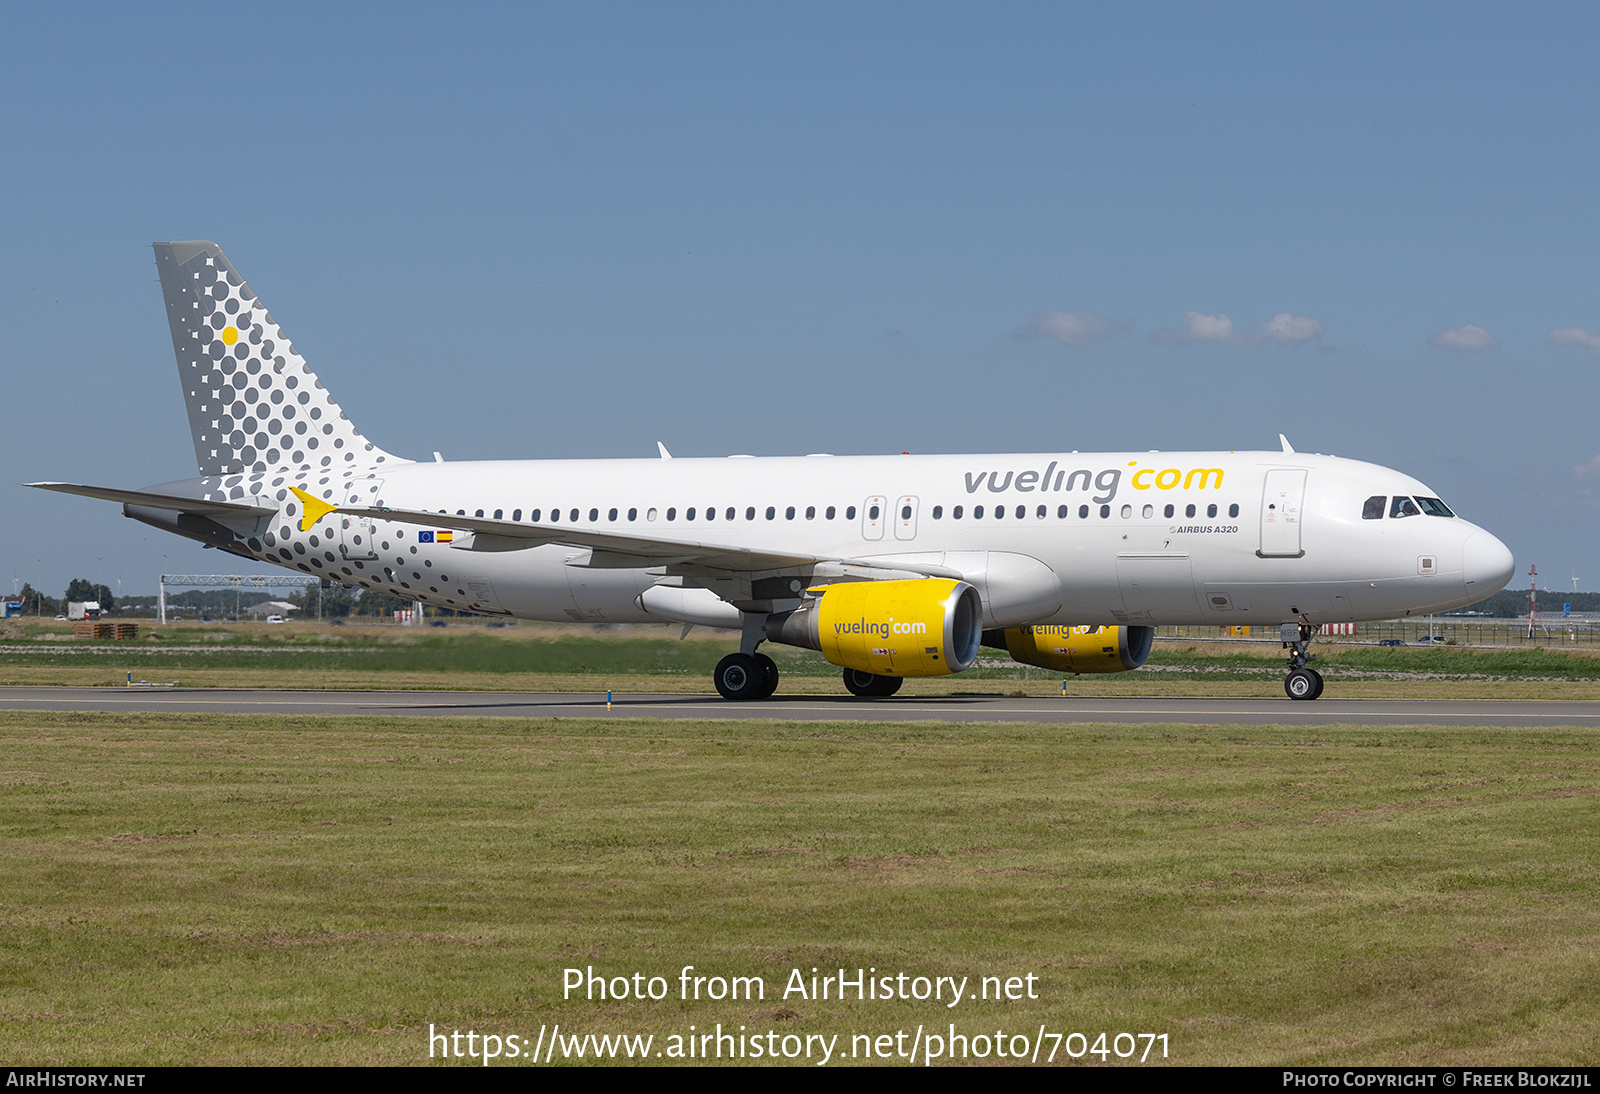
(311, 509)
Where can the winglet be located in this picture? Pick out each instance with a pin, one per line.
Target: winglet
(312, 509)
(664, 453)
(1287, 447)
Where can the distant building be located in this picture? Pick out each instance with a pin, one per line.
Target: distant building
(271, 607)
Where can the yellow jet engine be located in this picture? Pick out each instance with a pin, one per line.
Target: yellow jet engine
(918, 627)
(1075, 649)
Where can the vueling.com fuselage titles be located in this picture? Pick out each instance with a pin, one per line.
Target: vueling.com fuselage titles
(1057, 478)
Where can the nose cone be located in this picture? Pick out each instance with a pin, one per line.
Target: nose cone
(1486, 564)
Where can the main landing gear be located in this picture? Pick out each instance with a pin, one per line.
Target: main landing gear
(868, 685)
(746, 676)
(1301, 682)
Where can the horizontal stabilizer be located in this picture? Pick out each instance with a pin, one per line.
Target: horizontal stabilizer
(158, 501)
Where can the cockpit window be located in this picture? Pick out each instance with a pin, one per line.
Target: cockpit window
(1403, 507)
(1373, 509)
(1434, 507)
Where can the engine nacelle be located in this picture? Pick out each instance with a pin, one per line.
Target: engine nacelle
(1075, 649)
(920, 627)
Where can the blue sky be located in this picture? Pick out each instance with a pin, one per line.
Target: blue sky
(544, 231)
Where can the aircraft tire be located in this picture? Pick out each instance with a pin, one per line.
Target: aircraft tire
(869, 685)
(1303, 684)
(769, 675)
(739, 676)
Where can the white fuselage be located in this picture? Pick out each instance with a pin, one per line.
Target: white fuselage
(1071, 538)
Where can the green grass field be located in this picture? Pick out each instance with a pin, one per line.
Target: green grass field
(639, 659)
(259, 890)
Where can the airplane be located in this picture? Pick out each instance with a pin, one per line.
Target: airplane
(890, 566)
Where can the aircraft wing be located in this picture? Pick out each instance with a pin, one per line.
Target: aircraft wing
(505, 535)
(175, 502)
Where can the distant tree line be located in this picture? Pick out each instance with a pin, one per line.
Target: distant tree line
(1511, 603)
(336, 601)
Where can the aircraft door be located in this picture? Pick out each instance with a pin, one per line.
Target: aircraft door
(357, 534)
(873, 517)
(905, 518)
(1282, 501)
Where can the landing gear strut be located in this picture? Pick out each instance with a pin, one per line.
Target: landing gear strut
(1301, 682)
(747, 674)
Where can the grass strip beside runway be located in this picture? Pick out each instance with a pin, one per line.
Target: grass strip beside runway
(236, 889)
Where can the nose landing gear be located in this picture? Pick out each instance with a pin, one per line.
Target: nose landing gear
(1301, 682)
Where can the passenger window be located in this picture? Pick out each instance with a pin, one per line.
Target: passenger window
(650, 514)
(829, 514)
(905, 512)
(1061, 512)
(1127, 511)
(479, 513)
(573, 518)
(1433, 507)
(516, 514)
(999, 512)
(1022, 511)
(1372, 509)
(977, 512)
(730, 513)
(849, 512)
(633, 514)
(772, 513)
(1040, 514)
(1168, 511)
(1188, 510)
(811, 512)
(534, 516)
(688, 515)
(749, 513)
(1148, 512)
(955, 514)
(1105, 512)
(938, 511)
(612, 515)
(1211, 510)
(594, 514)
(872, 514)
(1083, 512)
(499, 514)
(1403, 506)
(788, 514)
(672, 514)
(1233, 510)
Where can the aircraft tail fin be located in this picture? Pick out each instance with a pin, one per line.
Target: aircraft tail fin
(254, 406)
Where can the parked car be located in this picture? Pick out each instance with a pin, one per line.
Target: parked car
(276, 619)
(1390, 642)
(1436, 639)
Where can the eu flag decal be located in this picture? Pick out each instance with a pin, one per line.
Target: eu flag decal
(424, 537)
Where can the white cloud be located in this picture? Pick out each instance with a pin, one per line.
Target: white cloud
(1284, 327)
(1590, 468)
(1200, 327)
(1075, 328)
(1469, 338)
(1208, 328)
(1576, 336)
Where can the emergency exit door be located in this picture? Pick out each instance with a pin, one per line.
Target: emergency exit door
(1282, 500)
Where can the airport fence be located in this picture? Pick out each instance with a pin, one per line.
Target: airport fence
(1550, 633)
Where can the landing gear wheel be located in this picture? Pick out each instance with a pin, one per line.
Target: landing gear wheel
(769, 675)
(740, 676)
(1303, 684)
(869, 685)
